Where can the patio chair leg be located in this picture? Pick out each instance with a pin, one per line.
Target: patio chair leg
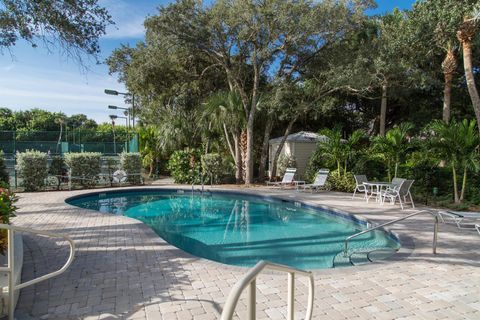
(354, 192)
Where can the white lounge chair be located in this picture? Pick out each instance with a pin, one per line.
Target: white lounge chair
(359, 186)
(400, 190)
(462, 219)
(319, 182)
(287, 179)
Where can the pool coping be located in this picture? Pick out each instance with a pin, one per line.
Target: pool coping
(407, 244)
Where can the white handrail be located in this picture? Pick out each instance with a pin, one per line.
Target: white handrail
(11, 258)
(250, 279)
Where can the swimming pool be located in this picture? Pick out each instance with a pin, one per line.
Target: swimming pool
(239, 229)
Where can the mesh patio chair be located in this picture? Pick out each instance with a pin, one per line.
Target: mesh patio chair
(359, 186)
(462, 219)
(400, 190)
(286, 180)
(319, 182)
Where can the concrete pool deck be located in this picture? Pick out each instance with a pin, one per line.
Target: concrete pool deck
(123, 270)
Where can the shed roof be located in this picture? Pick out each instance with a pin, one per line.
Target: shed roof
(302, 136)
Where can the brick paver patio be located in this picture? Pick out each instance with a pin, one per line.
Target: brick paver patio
(123, 270)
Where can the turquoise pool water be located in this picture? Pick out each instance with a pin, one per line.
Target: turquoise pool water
(238, 229)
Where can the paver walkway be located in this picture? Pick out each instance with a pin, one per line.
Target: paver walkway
(123, 270)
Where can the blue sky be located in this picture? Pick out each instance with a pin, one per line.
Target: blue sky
(33, 77)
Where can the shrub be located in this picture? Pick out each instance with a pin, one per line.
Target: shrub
(58, 169)
(212, 167)
(340, 182)
(285, 161)
(32, 169)
(131, 163)
(112, 166)
(3, 169)
(7, 211)
(84, 167)
(185, 166)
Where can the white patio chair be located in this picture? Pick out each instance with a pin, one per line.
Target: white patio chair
(319, 182)
(477, 226)
(400, 190)
(286, 180)
(359, 186)
(462, 219)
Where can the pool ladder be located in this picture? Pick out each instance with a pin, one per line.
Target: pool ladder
(348, 255)
(250, 281)
(202, 183)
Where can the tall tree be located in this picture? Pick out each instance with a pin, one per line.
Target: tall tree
(246, 38)
(74, 26)
(466, 34)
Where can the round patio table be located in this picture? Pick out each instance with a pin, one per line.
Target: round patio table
(376, 189)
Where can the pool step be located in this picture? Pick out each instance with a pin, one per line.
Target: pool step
(340, 261)
(356, 258)
(381, 254)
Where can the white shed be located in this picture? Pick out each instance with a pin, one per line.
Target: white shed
(300, 145)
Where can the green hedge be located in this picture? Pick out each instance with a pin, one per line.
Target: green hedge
(131, 163)
(185, 166)
(84, 167)
(32, 169)
(3, 170)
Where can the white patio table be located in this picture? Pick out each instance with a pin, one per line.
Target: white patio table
(375, 189)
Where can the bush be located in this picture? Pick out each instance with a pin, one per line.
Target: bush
(58, 168)
(3, 170)
(131, 163)
(285, 162)
(338, 182)
(185, 166)
(32, 169)
(373, 167)
(212, 167)
(7, 211)
(84, 167)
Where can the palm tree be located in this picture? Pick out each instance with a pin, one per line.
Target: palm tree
(466, 35)
(339, 150)
(458, 144)
(149, 147)
(225, 111)
(394, 146)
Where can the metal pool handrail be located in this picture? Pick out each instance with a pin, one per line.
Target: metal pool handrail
(11, 259)
(435, 230)
(250, 279)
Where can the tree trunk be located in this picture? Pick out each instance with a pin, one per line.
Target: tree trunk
(243, 153)
(464, 184)
(455, 187)
(264, 153)
(466, 36)
(449, 66)
(238, 159)
(280, 147)
(230, 147)
(383, 110)
(251, 118)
